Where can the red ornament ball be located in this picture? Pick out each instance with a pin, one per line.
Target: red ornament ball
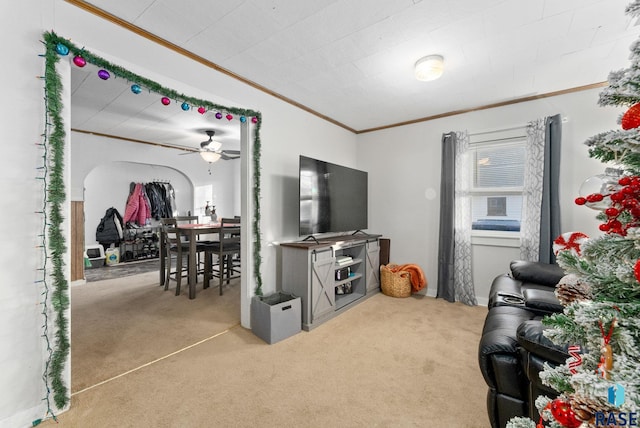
(617, 197)
(581, 201)
(615, 224)
(165, 101)
(595, 197)
(611, 212)
(229, 116)
(624, 181)
(636, 270)
(202, 110)
(631, 119)
(563, 413)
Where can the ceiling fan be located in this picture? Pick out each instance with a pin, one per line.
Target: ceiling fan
(210, 150)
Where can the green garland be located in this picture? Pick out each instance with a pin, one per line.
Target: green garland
(257, 258)
(54, 190)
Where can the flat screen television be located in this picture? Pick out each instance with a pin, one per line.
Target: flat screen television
(333, 198)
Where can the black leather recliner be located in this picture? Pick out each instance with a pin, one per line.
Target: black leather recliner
(536, 350)
(513, 349)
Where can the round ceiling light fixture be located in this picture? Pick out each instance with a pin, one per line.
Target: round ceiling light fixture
(209, 156)
(429, 68)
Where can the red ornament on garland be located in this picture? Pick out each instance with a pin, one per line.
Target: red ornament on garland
(563, 413)
(202, 110)
(636, 270)
(631, 119)
(165, 101)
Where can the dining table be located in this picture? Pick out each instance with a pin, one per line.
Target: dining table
(192, 231)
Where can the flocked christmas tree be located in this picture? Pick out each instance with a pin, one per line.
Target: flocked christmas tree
(600, 384)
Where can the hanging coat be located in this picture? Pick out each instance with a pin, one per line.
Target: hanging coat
(144, 207)
(133, 205)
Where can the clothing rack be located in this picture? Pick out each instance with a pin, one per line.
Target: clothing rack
(153, 199)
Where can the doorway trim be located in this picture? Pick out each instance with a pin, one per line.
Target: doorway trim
(54, 138)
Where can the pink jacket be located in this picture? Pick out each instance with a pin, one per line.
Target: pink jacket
(138, 209)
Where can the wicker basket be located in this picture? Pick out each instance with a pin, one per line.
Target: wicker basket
(394, 284)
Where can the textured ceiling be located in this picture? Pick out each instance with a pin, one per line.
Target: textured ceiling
(352, 60)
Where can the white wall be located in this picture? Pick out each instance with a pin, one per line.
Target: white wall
(22, 350)
(404, 174)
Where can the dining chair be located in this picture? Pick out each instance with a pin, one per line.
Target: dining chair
(200, 249)
(225, 249)
(186, 218)
(173, 246)
(176, 247)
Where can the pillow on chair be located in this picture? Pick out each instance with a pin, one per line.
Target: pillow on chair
(536, 272)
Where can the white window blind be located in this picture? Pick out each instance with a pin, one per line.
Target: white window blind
(497, 170)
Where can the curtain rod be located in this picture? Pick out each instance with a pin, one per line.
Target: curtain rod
(493, 131)
(564, 119)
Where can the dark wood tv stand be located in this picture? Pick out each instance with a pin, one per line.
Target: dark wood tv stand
(309, 271)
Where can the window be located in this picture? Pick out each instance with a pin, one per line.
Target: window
(497, 206)
(497, 178)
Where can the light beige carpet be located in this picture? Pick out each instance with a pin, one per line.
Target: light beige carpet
(120, 324)
(386, 362)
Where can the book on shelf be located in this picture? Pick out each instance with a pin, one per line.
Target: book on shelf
(343, 260)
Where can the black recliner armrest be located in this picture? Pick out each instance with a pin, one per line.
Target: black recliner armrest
(542, 300)
(498, 348)
(530, 336)
(536, 272)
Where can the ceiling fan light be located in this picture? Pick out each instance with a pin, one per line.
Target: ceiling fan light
(429, 68)
(210, 156)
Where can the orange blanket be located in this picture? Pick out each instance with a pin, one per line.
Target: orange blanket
(418, 280)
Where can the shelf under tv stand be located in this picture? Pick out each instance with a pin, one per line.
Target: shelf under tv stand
(309, 272)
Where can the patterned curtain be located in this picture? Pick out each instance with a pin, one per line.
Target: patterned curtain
(532, 191)
(463, 277)
(455, 278)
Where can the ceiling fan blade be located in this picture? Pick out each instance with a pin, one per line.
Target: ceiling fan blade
(225, 156)
(231, 152)
(187, 153)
